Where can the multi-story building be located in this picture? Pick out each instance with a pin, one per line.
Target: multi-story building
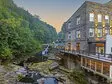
(90, 28)
(88, 37)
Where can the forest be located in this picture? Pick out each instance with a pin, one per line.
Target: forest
(21, 34)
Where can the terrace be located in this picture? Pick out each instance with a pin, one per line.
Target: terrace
(93, 55)
(98, 63)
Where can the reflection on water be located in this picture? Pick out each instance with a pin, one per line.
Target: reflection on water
(48, 80)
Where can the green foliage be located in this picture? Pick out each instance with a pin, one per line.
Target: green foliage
(20, 76)
(47, 32)
(78, 77)
(21, 34)
(27, 80)
(61, 35)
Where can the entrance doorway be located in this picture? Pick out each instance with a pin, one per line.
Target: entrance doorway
(100, 48)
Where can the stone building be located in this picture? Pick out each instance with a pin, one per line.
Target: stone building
(88, 28)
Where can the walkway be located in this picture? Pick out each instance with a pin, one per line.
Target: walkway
(97, 56)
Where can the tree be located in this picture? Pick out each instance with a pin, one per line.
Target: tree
(21, 34)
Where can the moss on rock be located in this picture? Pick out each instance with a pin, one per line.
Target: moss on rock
(42, 67)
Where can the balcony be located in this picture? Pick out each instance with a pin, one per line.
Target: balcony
(93, 55)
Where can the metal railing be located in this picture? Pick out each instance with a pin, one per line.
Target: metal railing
(95, 55)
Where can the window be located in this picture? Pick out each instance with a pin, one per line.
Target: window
(99, 34)
(91, 17)
(99, 66)
(78, 20)
(101, 50)
(107, 32)
(106, 69)
(111, 49)
(78, 34)
(91, 32)
(106, 18)
(69, 35)
(110, 31)
(69, 25)
(99, 18)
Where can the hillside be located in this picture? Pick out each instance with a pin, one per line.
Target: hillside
(61, 34)
(21, 34)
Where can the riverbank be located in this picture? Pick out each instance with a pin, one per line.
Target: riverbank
(49, 68)
(44, 69)
(8, 74)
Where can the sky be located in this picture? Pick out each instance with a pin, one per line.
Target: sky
(54, 12)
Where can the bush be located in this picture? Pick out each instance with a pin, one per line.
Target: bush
(77, 76)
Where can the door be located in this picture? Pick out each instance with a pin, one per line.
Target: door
(100, 48)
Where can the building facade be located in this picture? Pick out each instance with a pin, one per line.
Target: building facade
(89, 27)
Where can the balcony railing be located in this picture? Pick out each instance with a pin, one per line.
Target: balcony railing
(94, 55)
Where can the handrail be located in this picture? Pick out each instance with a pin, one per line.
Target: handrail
(101, 56)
